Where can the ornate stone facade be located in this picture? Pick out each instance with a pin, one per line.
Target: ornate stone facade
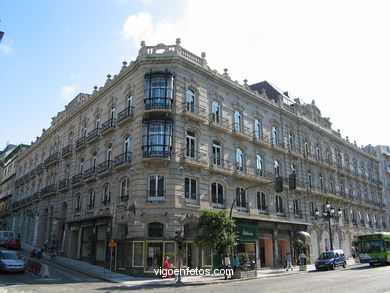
(139, 159)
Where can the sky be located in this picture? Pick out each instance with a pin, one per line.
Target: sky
(333, 52)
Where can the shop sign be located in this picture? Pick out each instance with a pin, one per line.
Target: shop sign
(246, 232)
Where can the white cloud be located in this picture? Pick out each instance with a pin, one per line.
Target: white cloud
(330, 51)
(68, 92)
(4, 49)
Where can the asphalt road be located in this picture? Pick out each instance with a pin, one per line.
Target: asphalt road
(353, 279)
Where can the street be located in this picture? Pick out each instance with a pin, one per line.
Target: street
(360, 278)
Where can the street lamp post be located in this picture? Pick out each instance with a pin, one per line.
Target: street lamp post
(327, 214)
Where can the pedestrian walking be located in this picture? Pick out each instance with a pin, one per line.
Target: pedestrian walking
(288, 260)
(236, 263)
(227, 264)
(302, 258)
(166, 268)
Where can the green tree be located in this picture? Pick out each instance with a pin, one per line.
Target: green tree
(215, 230)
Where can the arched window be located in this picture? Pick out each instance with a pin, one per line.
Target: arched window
(279, 204)
(217, 197)
(127, 148)
(277, 168)
(78, 203)
(91, 199)
(217, 153)
(155, 229)
(261, 202)
(239, 160)
(93, 162)
(190, 101)
(290, 141)
(274, 136)
(309, 179)
(258, 129)
(106, 195)
(259, 165)
(190, 144)
(241, 201)
(124, 190)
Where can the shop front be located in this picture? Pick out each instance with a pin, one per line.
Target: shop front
(246, 242)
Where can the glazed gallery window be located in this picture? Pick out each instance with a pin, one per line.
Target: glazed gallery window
(158, 91)
(217, 153)
(190, 101)
(216, 111)
(239, 160)
(190, 144)
(156, 186)
(217, 193)
(157, 138)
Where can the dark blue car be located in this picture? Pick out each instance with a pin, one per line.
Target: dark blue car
(329, 260)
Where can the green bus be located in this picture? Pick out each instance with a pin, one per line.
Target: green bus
(374, 248)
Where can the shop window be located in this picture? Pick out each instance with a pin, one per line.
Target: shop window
(154, 255)
(138, 254)
(206, 257)
(169, 250)
(155, 229)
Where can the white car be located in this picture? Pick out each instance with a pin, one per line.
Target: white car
(10, 261)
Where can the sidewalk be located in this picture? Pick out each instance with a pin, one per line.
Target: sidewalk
(115, 277)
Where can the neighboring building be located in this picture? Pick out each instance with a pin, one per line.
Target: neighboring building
(142, 156)
(7, 178)
(383, 153)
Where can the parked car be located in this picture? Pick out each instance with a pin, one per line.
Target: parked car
(4, 235)
(10, 261)
(329, 260)
(13, 243)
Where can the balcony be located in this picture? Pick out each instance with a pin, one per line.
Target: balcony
(263, 210)
(219, 122)
(124, 198)
(241, 131)
(63, 185)
(194, 158)
(278, 145)
(155, 199)
(194, 112)
(191, 198)
(163, 104)
(108, 126)
(221, 166)
(281, 212)
(51, 160)
(66, 151)
(156, 151)
(260, 139)
(77, 179)
(80, 143)
(125, 115)
(298, 214)
(247, 172)
(218, 204)
(105, 168)
(92, 135)
(89, 175)
(39, 168)
(123, 160)
(48, 190)
(242, 207)
(32, 173)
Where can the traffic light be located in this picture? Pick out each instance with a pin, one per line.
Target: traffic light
(292, 181)
(279, 184)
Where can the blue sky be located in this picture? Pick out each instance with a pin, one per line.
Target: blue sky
(335, 53)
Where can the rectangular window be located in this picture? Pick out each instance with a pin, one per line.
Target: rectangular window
(156, 187)
(258, 134)
(237, 121)
(216, 112)
(190, 144)
(190, 189)
(138, 254)
(279, 204)
(261, 202)
(297, 208)
(312, 209)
